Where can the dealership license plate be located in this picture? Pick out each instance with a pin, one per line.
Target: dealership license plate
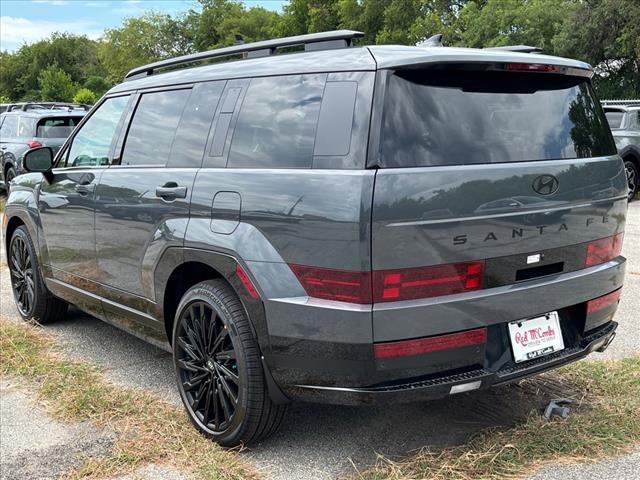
(536, 337)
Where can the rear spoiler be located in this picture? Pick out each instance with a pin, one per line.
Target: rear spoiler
(516, 48)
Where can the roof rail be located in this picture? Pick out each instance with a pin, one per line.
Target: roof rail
(622, 103)
(517, 48)
(312, 41)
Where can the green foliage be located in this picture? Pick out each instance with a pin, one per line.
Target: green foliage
(84, 95)
(98, 85)
(604, 33)
(55, 85)
(142, 40)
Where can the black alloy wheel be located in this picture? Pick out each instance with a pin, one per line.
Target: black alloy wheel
(32, 298)
(22, 280)
(633, 178)
(208, 367)
(219, 369)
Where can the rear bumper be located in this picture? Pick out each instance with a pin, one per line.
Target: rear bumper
(323, 351)
(442, 386)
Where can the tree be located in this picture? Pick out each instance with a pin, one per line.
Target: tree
(55, 85)
(76, 55)
(98, 85)
(606, 34)
(84, 95)
(145, 39)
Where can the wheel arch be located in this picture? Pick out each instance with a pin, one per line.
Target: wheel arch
(180, 269)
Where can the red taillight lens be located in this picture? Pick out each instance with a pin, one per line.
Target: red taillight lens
(419, 346)
(603, 302)
(424, 282)
(532, 67)
(246, 281)
(34, 144)
(330, 284)
(603, 250)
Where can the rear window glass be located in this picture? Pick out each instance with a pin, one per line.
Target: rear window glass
(614, 118)
(57, 127)
(463, 117)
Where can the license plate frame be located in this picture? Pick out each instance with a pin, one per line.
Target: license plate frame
(536, 337)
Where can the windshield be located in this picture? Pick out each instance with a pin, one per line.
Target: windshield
(56, 127)
(614, 117)
(463, 117)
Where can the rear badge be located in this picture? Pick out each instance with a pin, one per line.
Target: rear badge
(534, 258)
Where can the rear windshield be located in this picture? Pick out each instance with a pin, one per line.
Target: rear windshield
(463, 117)
(56, 127)
(614, 117)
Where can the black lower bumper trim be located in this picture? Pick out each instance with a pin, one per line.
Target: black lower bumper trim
(439, 387)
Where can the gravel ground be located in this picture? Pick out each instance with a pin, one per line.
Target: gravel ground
(320, 441)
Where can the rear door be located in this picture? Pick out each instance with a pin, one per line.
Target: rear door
(486, 167)
(142, 203)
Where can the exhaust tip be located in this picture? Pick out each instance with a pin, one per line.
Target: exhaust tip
(606, 344)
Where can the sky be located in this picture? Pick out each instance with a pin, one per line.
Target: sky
(32, 20)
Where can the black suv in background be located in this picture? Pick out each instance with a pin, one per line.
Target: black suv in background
(29, 125)
(343, 225)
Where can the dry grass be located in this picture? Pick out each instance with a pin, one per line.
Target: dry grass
(148, 430)
(607, 422)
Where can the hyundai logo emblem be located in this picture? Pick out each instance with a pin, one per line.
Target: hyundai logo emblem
(546, 185)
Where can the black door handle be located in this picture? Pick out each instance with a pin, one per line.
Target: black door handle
(171, 191)
(85, 189)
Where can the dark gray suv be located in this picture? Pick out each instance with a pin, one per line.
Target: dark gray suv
(345, 224)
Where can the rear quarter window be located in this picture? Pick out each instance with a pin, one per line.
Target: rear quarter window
(433, 118)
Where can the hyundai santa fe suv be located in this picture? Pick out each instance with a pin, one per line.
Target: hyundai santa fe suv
(351, 225)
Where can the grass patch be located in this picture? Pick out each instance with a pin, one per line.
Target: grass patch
(3, 202)
(148, 430)
(606, 422)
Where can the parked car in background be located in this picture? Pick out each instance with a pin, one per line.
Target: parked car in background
(319, 225)
(30, 126)
(624, 119)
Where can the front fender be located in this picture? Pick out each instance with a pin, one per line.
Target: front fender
(22, 208)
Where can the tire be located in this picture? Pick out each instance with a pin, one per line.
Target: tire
(9, 175)
(34, 301)
(217, 360)
(633, 177)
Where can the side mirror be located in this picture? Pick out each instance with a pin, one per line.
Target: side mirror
(38, 160)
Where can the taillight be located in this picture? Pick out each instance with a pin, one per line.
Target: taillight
(603, 302)
(603, 250)
(332, 284)
(34, 144)
(424, 282)
(246, 281)
(532, 67)
(389, 285)
(405, 348)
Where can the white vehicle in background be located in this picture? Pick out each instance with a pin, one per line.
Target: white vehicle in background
(624, 119)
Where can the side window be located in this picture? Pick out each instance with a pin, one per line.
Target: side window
(277, 124)
(26, 127)
(153, 128)
(191, 137)
(90, 146)
(9, 127)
